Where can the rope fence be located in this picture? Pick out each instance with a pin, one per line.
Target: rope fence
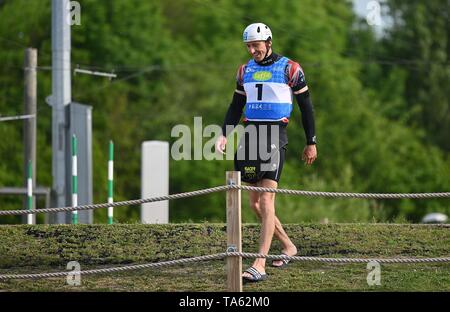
(220, 256)
(119, 203)
(231, 187)
(114, 269)
(343, 195)
(233, 254)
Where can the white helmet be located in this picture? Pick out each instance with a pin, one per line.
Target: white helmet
(257, 32)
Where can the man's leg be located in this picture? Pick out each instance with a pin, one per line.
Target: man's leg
(287, 246)
(267, 214)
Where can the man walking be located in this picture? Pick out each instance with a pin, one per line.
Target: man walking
(265, 86)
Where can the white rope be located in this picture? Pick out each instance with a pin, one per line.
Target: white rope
(221, 256)
(225, 188)
(340, 194)
(116, 204)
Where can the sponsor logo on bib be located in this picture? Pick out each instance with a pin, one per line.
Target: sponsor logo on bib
(262, 76)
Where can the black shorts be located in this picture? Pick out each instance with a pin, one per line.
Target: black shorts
(251, 174)
(259, 159)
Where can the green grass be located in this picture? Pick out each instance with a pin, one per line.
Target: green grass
(42, 248)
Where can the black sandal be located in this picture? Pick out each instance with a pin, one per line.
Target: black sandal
(256, 276)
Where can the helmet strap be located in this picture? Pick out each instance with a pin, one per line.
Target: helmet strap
(267, 49)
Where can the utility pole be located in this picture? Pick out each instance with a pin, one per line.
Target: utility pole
(61, 97)
(30, 64)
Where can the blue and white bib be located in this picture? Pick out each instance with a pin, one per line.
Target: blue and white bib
(269, 97)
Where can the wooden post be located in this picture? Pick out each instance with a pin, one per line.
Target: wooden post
(234, 232)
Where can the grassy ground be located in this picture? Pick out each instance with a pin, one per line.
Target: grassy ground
(40, 248)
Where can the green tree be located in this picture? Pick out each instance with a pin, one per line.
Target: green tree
(419, 38)
(176, 60)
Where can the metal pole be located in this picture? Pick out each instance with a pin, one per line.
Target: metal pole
(110, 181)
(234, 233)
(9, 118)
(61, 96)
(30, 64)
(30, 219)
(74, 180)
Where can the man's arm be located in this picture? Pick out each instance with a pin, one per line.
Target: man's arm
(306, 108)
(297, 82)
(304, 102)
(234, 112)
(235, 109)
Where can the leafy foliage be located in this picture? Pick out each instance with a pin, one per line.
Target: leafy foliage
(380, 128)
